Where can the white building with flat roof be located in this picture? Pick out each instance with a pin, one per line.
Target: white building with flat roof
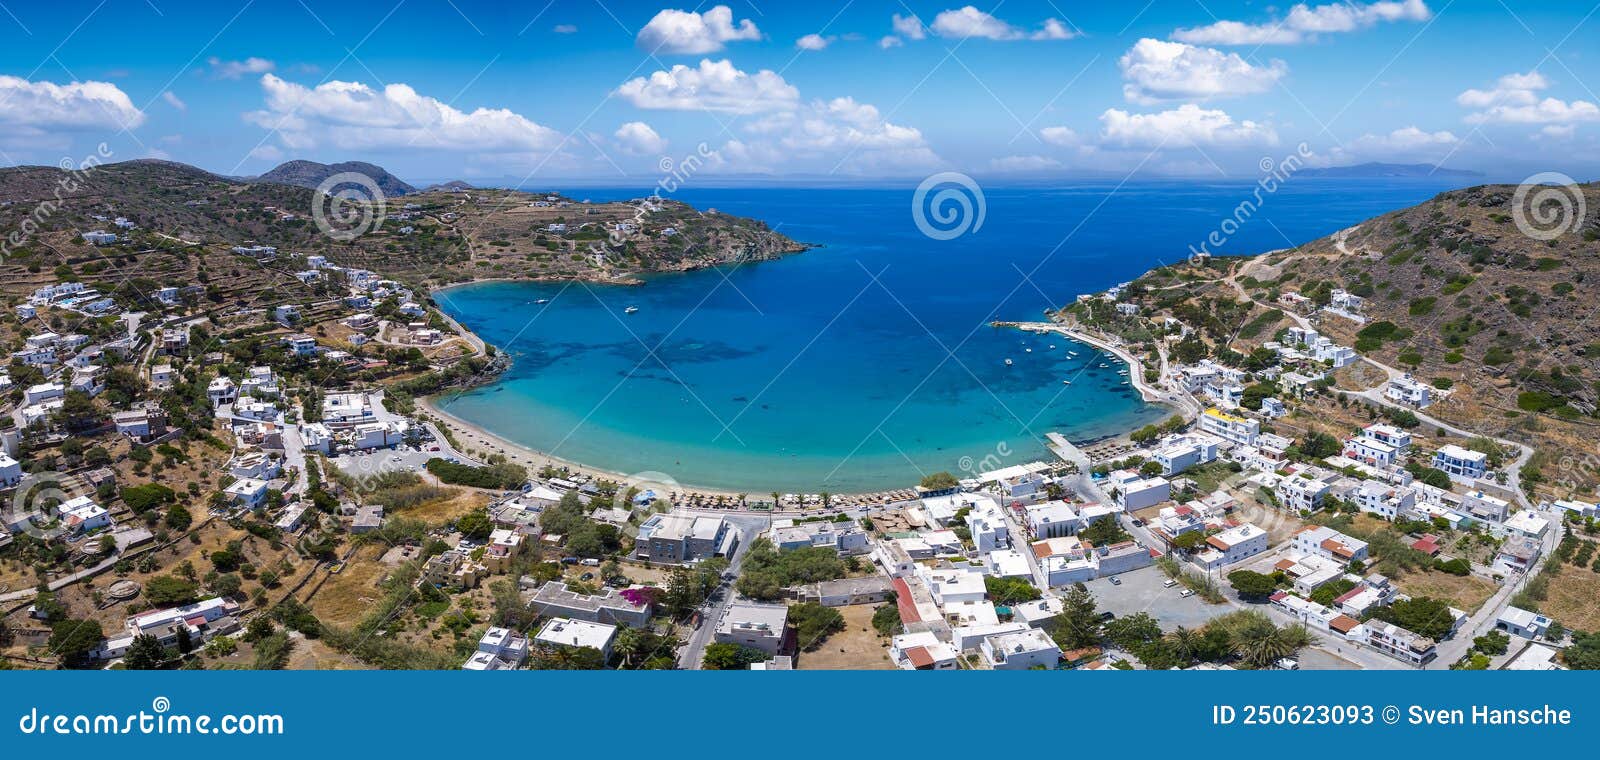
(1020, 650)
(758, 626)
(1240, 430)
(1235, 544)
(560, 633)
(1462, 463)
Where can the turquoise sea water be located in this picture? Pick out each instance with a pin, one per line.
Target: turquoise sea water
(869, 361)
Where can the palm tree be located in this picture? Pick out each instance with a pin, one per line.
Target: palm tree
(627, 645)
(1263, 646)
(1185, 643)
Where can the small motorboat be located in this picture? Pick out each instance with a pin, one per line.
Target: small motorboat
(543, 300)
(1066, 382)
(1052, 346)
(631, 310)
(1072, 353)
(1008, 362)
(1027, 350)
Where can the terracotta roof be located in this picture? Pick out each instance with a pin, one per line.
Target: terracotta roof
(1343, 623)
(1333, 545)
(1284, 564)
(903, 600)
(1348, 595)
(919, 657)
(1218, 543)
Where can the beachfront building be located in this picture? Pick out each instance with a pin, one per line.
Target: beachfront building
(1239, 430)
(1052, 519)
(678, 538)
(1180, 452)
(1133, 491)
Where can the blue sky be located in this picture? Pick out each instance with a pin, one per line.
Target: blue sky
(845, 90)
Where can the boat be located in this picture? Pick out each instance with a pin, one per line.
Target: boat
(630, 310)
(543, 300)
(1072, 353)
(1027, 350)
(1066, 382)
(1008, 362)
(1052, 346)
(1103, 365)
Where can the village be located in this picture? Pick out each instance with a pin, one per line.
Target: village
(261, 488)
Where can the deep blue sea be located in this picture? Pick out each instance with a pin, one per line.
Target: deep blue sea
(868, 361)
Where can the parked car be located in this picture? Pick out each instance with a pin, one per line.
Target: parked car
(586, 577)
(1115, 581)
(1169, 584)
(591, 562)
(569, 560)
(1188, 592)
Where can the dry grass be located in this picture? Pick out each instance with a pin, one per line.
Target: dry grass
(857, 647)
(1571, 599)
(347, 596)
(1462, 592)
(440, 511)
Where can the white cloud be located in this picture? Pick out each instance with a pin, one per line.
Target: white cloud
(173, 100)
(1021, 164)
(565, 29)
(1515, 100)
(234, 69)
(909, 27)
(1156, 70)
(1053, 29)
(890, 41)
(690, 33)
(39, 105)
(1557, 132)
(1404, 140)
(638, 138)
(1305, 22)
(969, 22)
(813, 42)
(1063, 136)
(1185, 126)
(711, 86)
(351, 115)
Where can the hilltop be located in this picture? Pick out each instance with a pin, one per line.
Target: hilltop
(311, 174)
(1500, 323)
(185, 221)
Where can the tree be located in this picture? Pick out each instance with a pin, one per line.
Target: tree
(886, 619)
(73, 641)
(1104, 532)
(814, 623)
(146, 653)
(1252, 585)
(939, 481)
(1078, 625)
(170, 591)
(1421, 615)
(731, 657)
(178, 518)
(1008, 591)
(475, 525)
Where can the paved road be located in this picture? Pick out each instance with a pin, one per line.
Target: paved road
(694, 649)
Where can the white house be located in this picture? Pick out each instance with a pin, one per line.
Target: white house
(1460, 462)
(758, 626)
(1232, 545)
(566, 632)
(247, 492)
(1180, 452)
(1484, 506)
(1020, 650)
(1322, 541)
(1230, 428)
(1527, 523)
(1384, 500)
(10, 471)
(1520, 622)
(1052, 519)
(1300, 492)
(1406, 390)
(922, 651)
(1134, 492)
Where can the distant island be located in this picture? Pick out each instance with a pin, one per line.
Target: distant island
(1374, 170)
